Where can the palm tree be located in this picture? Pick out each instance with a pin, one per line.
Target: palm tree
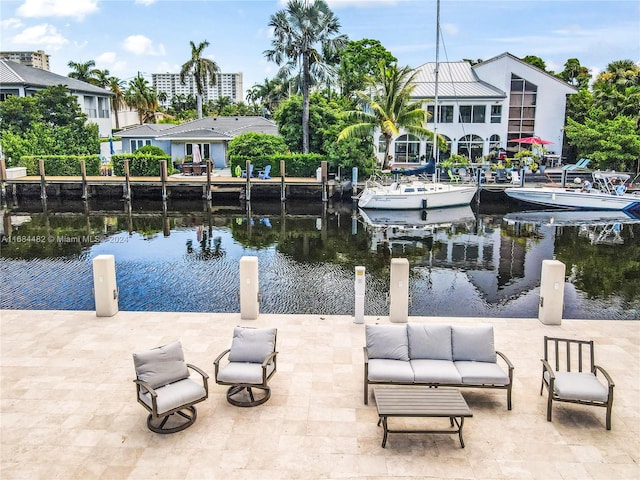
(202, 70)
(117, 100)
(101, 78)
(142, 97)
(83, 71)
(389, 108)
(305, 34)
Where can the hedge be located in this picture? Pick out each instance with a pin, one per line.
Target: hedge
(296, 165)
(140, 165)
(61, 165)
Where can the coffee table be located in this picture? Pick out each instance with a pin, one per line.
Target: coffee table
(421, 402)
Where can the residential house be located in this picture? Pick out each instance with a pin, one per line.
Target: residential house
(211, 134)
(21, 80)
(485, 107)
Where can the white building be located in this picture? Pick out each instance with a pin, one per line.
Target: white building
(20, 80)
(484, 107)
(227, 85)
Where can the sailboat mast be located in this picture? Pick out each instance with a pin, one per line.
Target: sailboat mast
(436, 150)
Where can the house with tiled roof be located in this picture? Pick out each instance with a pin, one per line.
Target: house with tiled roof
(21, 80)
(211, 134)
(485, 107)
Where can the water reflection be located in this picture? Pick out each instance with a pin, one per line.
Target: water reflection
(184, 257)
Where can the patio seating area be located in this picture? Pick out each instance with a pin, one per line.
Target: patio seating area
(69, 411)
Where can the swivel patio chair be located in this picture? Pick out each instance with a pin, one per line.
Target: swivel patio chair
(164, 389)
(566, 380)
(251, 364)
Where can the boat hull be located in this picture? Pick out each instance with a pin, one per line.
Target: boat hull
(432, 195)
(574, 198)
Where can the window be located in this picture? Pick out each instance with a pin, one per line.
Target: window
(407, 148)
(523, 99)
(446, 113)
(472, 114)
(137, 143)
(204, 150)
(496, 113)
(471, 147)
(103, 107)
(90, 107)
(381, 144)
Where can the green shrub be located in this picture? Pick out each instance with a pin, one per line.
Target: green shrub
(150, 150)
(296, 165)
(140, 165)
(61, 165)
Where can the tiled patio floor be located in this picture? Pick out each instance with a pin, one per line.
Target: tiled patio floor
(69, 411)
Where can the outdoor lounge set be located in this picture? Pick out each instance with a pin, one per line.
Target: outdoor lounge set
(421, 366)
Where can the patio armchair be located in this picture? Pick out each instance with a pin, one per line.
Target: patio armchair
(251, 364)
(453, 177)
(244, 172)
(164, 389)
(264, 174)
(569, 374)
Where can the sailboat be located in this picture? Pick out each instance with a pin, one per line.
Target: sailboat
(422, 192)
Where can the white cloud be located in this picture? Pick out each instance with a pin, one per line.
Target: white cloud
(44, 35)
(109, 60)
(141, 45)
(77, 9)
(450, 29)
(11, 23)
(146, 3)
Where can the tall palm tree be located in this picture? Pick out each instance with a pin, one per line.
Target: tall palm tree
(305, 33)
(142, 97)
(389, 108)
(117, 100)
(83, 71)
(202, 70)
(101, 78)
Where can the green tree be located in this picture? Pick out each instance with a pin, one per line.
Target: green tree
(49, 123)
(256, 145)
(117, 99)
(609, 143)
(202, 69)
(390, 108)
(358, 60)
(141, 96)
(536, 62)
(304, 34)
(83, 71)
(575, 74)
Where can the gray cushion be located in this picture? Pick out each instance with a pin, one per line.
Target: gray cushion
(174, 395)
(385, 370)
(252, 345)
(387, 341)
(429, 341)
(239, 373)
(483, 373)
(162, 365)
(473, 343)
(579, 386)
(435, 371)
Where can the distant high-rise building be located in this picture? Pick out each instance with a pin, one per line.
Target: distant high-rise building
(227, 85)
(37, 59)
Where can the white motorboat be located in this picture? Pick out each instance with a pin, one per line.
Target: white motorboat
(608, 192)
(414, 195)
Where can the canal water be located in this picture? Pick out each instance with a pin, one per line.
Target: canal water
(184, 257)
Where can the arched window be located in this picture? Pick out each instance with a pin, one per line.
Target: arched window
(381, 144)
(407, 148)
(494, 142)
(471, 147)
(430, 152)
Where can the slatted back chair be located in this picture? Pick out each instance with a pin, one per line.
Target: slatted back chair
(569, 374)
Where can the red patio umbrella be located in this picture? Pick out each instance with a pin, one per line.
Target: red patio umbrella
(532, 141)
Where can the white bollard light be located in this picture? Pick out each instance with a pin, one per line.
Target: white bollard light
(551, 292)
(249, 288)
(105, 288)
(359, 287)
(399, 291)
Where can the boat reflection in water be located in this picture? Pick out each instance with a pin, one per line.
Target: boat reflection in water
(396, 226)
(600, 227)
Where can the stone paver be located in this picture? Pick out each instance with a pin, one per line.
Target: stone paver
(68, 407)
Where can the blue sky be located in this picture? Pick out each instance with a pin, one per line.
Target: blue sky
(152, 36)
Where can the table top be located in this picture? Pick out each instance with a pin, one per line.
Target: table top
(420, 402)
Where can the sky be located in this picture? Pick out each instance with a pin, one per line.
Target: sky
(128, 37)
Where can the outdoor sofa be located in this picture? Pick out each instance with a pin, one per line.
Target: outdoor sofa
(434, 355)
